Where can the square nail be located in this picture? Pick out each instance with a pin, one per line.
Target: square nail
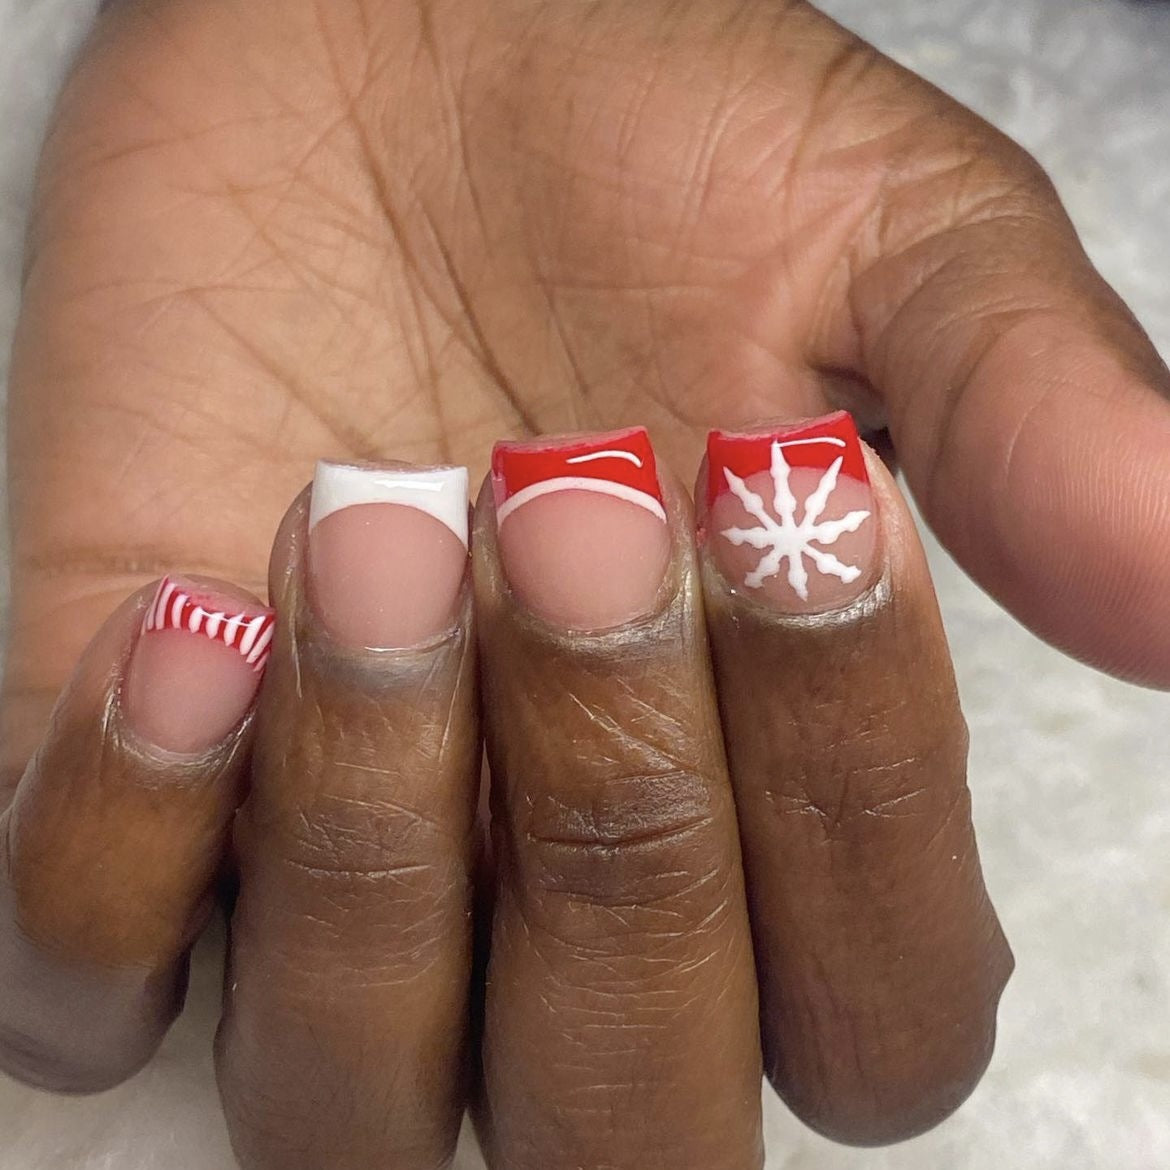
(197, 664)
(583, 533)
(791, 515)
(387, 551)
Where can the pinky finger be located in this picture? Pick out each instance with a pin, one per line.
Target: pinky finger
(109, 850)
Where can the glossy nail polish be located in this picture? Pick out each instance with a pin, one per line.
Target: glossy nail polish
(196, 666)
(583, 533)
(387, 551)
(790, 514)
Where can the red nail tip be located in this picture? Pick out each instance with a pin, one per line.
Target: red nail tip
(617, 463)
(178, 606)
(818, 444)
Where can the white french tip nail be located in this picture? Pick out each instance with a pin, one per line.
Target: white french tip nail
(441, 492)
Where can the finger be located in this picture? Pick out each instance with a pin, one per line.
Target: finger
(343, 1044)
(621, 1019)
(880, 958)
(110, 848)
(1030, 411)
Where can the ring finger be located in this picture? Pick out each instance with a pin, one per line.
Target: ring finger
(343, 1043)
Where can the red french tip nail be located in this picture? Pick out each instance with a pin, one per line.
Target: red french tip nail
(247, 630)
(618, 463)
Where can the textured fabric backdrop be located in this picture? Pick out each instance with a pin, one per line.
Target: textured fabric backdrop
(1070, 771)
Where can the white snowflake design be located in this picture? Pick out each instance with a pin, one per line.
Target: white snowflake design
(787, 540)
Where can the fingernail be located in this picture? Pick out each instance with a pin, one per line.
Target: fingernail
(196, 666)
(791, 516)
(583, 536)
(387, 551)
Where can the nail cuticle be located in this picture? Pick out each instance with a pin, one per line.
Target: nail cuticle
(876, 595)
(646, 627)
(216, 757)
(314, 639)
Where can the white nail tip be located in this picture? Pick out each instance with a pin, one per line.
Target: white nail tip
(440, 492)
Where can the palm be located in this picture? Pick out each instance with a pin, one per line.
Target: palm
(396, 240)
(383, 228)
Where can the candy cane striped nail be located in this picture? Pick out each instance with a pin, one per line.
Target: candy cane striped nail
(179, 606)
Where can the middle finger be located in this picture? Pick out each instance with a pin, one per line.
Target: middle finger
(621, 1016)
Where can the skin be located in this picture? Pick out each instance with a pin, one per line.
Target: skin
(107, 858)
(620, 948)
(270, 233)
(620, 1022)
(848, 753)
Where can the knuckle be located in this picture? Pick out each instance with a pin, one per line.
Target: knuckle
(652, 849)
(388, 881)
(341, 839)
(913, 790)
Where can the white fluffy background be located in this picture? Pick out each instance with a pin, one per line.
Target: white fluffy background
(1070, 770)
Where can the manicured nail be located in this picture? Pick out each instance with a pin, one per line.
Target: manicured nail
(196, 666)
(583, 535)
(387, 551)
(791, 516)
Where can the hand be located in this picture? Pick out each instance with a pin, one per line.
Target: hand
(620, 1023)
(268, 234)
(254, 223)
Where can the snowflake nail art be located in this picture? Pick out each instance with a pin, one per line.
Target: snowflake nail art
(799, 490)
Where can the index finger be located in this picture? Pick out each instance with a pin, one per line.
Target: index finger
(880, 958)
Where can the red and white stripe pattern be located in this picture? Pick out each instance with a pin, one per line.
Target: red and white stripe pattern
(248, 633)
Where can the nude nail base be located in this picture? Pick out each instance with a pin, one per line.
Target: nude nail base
(387, 551)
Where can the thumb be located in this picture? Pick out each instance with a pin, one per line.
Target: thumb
(1030, 411)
